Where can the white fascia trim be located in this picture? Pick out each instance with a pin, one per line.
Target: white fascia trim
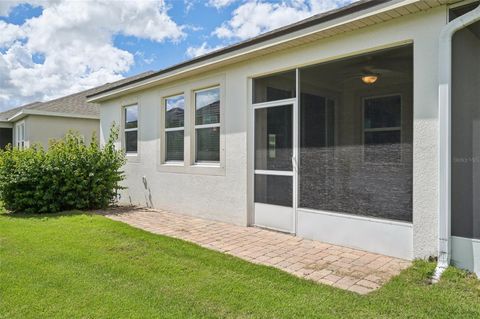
(444, 142)
(23, 113)
(380, 8)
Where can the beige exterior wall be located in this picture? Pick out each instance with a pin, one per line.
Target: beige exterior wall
(227, 193)
(41, 129)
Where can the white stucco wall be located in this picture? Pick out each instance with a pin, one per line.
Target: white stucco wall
(40, 129)
(228, 196)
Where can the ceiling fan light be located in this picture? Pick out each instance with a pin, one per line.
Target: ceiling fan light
(369, 79)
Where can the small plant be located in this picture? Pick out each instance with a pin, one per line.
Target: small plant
(71, 174)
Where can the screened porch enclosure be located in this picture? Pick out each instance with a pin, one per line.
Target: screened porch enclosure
(6, 136)
(465, 159)
(351, 145)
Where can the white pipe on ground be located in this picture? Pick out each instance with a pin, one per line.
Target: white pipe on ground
(445, 152)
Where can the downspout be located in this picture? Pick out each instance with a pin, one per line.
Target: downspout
(445, 151)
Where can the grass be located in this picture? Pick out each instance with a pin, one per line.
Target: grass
(78, 265)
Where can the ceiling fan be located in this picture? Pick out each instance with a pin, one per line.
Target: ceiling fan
(370, 74)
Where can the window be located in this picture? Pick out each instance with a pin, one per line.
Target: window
(207, 125)
(382, 129)
(174, 128)
(131, 129)
(190, 131)
(20, 135)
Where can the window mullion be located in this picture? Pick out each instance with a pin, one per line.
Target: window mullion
(383, 129)
(174, 129)
(200, 126)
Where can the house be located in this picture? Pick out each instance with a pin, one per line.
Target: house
(357, 127)
(39, 122)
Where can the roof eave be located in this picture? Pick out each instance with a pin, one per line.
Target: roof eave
(363, 9)
(23, 113)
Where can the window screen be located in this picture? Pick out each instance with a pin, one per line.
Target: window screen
(174, 127)
(274, 87)
(356, 138)
(207, 125)
(131, 129)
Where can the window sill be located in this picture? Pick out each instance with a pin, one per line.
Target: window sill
(206, 164)
(132, 157)
(214, 169)
(207, 169)
(174, 163)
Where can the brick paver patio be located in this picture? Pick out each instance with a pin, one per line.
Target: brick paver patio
(342, 267)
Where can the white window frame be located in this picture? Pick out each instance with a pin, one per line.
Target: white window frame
(382, 129)
(172, 129)
(125, 130)
(203, 126)
(20, 142)
(189, 166)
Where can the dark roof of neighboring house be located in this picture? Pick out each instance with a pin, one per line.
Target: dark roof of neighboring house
(312, 21)
(75, 104)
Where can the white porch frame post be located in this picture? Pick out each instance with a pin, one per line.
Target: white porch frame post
(296, 149)
(445, 127)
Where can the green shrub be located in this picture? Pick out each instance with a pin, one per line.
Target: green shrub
(71, 174)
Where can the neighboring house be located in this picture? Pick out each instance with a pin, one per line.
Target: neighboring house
(329, 128)
(40, 122)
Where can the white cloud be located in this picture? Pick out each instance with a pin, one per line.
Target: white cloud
(9, 33)
(219, 4)
(318, 6)
(188, 4)
(141, 55)
(194, 52)
(256, 16)
(76, 40)
(6, 6)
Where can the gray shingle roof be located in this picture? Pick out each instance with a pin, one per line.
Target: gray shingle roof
(7, 114)
(75, 104)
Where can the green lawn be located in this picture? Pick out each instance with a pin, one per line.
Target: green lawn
(87, 266)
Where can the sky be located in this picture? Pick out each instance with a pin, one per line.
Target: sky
(52, 48)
